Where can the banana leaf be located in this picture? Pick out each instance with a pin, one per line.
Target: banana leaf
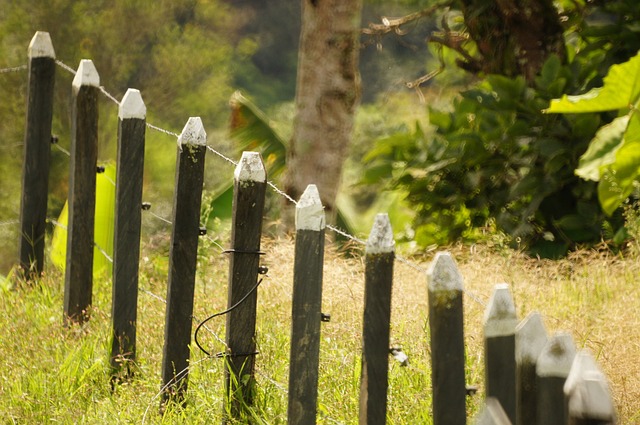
(103, 228)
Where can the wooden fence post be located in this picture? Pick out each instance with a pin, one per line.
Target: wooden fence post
(553, 366)
(447, 341)
(492, 414)
(379, 258)
(587, 393)
(499, 347)
(183, 258)
(82, 194)
(531, 337)
(250, 183)
(37, 152)
(126, 241)
(306, 309)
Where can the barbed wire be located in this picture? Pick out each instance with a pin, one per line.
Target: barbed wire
(65, 66)
(13, 69)
(226, 158)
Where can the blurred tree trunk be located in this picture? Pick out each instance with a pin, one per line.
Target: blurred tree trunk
(514, 37)
(327, 95)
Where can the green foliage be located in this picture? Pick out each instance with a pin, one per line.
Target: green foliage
(613, 157)
(497, 156)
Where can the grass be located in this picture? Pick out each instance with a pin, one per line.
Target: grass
(55, 374)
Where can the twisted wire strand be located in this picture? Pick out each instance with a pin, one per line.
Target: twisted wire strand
(13, 69)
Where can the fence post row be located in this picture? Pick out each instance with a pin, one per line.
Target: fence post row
(499, 347)
(587, 394)
(183, 258)
(446, 321)
(126, 241)
(250, 183)
(378, 275)
(82, 194)
(37, 151)
(531, 338)
(306, 308)
(552, 369)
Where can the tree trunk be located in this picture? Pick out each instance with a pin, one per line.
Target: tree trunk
(513, 37)
(327, 96)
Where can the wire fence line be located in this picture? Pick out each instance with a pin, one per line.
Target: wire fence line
(13, 69)
(273, 186)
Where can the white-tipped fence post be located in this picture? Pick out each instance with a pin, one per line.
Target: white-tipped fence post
(379, 258)
(183, 259)
(492, 413)
(250, 182)
(531, 337)
(306, 312)
(587, 395)
(499, 349)
(552, 369)
(82, 193)
(37, 152)
(126, 241)
(446, 322)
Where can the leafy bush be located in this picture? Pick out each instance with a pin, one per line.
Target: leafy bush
(496, 155)
(495, 158)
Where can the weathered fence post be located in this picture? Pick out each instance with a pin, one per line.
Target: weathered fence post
(379, 258)
(587, 394)
(183, 259)
(531, 337)
(250, 183)
(447, 341)
(37, 152)
(553, 366)
(126, 241)
(499, 349)
(492, 414)
(82, 193)
(306, 309)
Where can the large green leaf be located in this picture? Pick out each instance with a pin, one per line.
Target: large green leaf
(602, 149)
(617, 179)
(250, 126)
(620, 90)
(103, 229)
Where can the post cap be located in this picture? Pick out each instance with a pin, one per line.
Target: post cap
(250, 168)
(381, 237)
(557, 356)
(531, 337)
(41, 46)
(309, 210)
(500, 316)
(193, 133)
(87, 75)
(132, 105)
(443, 274)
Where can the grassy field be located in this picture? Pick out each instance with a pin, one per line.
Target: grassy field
(54, 374)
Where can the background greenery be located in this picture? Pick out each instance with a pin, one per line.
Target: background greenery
(466, 154)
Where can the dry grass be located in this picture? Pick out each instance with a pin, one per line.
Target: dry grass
(61, 375)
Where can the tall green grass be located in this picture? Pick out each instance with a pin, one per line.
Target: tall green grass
(62, 375)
